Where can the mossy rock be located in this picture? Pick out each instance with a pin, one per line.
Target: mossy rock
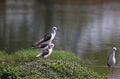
(62, 65)
(41, 69)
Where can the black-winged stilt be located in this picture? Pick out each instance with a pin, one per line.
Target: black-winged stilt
(46, 40)
(46, 52)
(111, 59)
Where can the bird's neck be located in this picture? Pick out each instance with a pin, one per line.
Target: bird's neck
(113, 53)
(53, 31)
(50, 51)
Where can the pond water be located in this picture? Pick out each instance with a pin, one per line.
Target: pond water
(87, 28)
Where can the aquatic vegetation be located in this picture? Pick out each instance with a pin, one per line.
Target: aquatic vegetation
(8, 72)
(53, 70)
(62, 65)
(24, 55)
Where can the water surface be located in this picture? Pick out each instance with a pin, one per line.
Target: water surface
(87, 28)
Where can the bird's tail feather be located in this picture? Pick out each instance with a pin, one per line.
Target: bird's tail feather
(108, 65)
(39, 55)
(37, 43)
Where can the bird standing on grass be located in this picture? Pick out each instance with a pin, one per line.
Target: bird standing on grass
(47, 51)
(46, 40)
(111, 59)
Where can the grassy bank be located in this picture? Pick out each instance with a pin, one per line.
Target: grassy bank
(63, 65)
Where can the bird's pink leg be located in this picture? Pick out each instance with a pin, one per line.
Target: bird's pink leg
(112, 72)
(48, 58)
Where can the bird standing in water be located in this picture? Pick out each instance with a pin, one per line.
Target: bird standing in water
(46, 40)
(111, 59)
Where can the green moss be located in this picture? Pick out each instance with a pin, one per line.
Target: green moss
(54, 70)
(64, 55)
(8, 72)
(29, 55)
(19, 56)
(62, 65)
(25, 55)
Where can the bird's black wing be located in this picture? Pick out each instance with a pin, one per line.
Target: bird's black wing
(42, 45)
(47, 37)
(45, 52)
(36, 44)
(108, 63)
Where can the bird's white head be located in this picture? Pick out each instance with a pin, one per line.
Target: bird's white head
(51, 45)
(114, 48)
(54, 28)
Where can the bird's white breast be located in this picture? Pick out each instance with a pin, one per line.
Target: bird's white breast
(111, 60)
(53, 35)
